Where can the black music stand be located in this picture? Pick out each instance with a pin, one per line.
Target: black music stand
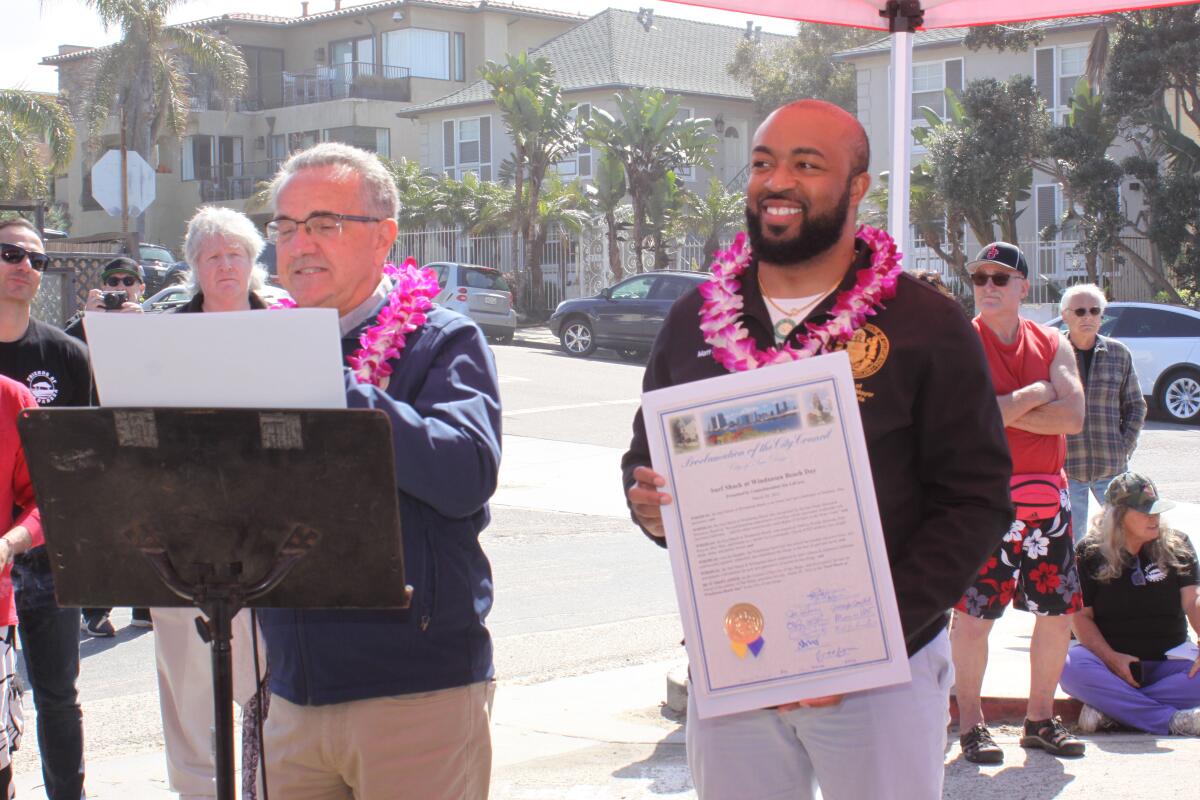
(218, 509)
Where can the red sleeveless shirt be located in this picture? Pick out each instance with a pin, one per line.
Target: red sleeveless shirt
(1026, 360)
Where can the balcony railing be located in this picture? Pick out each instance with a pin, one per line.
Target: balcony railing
(336, 82)
(237, 181)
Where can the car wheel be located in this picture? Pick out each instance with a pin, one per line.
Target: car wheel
(1179, 396)
(505, 338)
(577, 338)
(631, 355)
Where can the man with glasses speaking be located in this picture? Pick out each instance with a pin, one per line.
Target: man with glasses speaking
(1037, 388)
(387, 703)
(1116, 409)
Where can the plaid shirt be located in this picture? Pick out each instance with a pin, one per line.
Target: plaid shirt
(1114, 416)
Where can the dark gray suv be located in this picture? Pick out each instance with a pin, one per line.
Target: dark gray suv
(625, 317)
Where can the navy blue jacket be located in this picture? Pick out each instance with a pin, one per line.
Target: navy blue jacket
(444, 405)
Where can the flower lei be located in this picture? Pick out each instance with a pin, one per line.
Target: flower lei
(732, 345)
(413, 290)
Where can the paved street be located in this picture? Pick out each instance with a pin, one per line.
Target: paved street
(584, 600)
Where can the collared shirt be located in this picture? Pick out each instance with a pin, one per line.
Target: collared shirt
(362, 312)
(1115, 413)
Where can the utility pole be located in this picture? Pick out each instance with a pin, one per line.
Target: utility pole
(124, 178)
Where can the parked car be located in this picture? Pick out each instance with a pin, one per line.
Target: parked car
(1165, 342)
(178, 294)
(155, 259)
(625, 317)
(480, 293)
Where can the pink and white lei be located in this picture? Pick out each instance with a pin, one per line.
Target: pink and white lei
(733, 346)
(413, 290)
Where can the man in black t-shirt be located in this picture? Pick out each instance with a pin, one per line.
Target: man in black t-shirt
(55, 368)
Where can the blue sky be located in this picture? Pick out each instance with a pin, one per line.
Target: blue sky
(38, 27)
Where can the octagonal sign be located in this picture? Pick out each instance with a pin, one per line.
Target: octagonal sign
(106, 182)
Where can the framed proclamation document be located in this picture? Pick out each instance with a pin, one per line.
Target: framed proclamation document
(778, 555)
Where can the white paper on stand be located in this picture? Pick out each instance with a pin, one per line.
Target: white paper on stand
(778, 555)
(235, 359)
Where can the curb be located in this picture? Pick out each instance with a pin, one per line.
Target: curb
(995, 709)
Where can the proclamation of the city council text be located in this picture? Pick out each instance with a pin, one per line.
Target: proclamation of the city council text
(780, 565)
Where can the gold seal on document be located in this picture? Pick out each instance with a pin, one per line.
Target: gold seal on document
(743, 623)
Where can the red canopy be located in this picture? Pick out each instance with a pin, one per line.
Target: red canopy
(938, 13)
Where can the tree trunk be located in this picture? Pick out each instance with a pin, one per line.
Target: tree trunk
(535, 240)
(639, 211)
(1089, 263)
(518, 213)
(1153, 276)
(614, 247)
(711, 245)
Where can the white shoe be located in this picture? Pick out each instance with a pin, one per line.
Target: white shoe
(1092, 720)
(1185, 723)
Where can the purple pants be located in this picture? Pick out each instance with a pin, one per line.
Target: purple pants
(1167, 689)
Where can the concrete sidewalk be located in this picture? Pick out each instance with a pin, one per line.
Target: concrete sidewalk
(608, 735)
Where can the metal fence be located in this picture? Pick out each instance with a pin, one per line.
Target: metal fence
(1053, 267)
(573, 265)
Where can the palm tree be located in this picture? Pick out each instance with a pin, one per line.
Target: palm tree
(649, 142)
(608, 197)
(543, 129)
(712, 214)
(25, 119)
(146, 74)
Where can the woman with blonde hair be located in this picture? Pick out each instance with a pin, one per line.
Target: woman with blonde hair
(1133, 664)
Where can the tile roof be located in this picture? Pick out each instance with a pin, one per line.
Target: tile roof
(613, 49)
(944, 36)
(267, 19)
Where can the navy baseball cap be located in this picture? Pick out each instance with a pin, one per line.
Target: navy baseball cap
(1002, 254)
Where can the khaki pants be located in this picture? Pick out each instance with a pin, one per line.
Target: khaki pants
(428, 746)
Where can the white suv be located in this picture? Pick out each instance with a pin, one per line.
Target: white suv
(1165, 342)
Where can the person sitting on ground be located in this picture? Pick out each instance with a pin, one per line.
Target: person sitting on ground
(1139, 581)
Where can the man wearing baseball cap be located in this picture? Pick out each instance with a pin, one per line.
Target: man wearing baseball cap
(121, 276)
(122, 284)
(1037, 388)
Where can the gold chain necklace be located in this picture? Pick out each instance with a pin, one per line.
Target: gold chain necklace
(791, 317)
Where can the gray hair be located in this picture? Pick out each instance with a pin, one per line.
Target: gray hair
(379, 193)
(1107, 537)
(1089, 289)
(211, 221)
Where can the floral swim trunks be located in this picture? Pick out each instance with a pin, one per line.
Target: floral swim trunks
(1034, 566)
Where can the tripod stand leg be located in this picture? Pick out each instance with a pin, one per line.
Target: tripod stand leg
(220, 626)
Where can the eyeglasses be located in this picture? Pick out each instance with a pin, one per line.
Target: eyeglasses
(1083, 312)
(1138, 577)
(1000, 279)
(115, 281)
(320, 225)
(15, 254)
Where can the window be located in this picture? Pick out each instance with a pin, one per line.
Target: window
(207, 158)
(476, 278)
(278, 150)
(373, 140)
(1056, 71)
(686, 172)
(579, 163)
(467, 147)
(426, 54)
(302, 140)
(459, 55)
(929, 84)
(1153, 323)
(633, 289)
(264, 77)
(670, 288)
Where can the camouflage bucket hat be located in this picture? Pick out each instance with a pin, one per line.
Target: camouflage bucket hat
(1135, 491)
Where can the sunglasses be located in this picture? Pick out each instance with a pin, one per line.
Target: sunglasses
(15, 254)
(115, 281)
(1083, 312)
(1000, 279)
